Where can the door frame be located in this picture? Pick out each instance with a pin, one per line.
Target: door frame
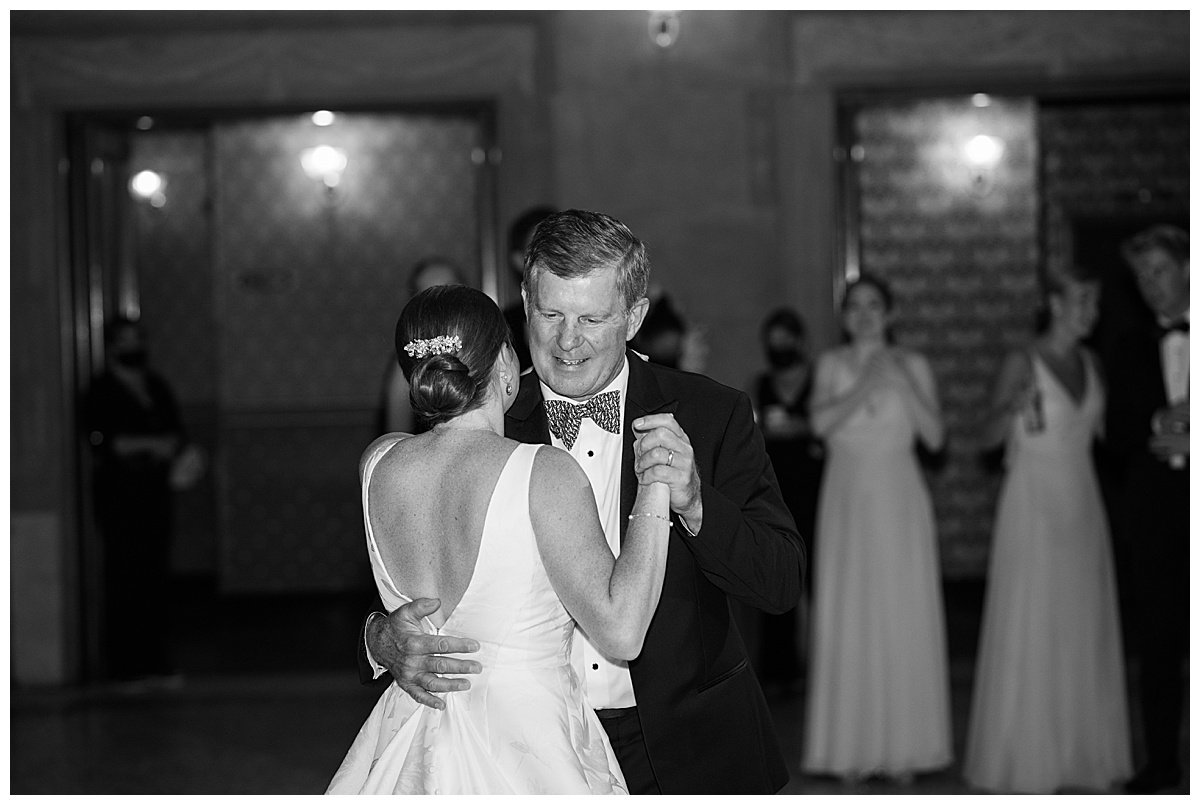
(103, 278)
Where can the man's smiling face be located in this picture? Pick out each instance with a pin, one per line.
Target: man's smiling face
(577, 330)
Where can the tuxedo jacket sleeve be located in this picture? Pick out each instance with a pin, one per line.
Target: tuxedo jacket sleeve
(706, 723)
(1135, 391)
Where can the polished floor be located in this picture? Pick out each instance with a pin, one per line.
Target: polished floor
(269, 701)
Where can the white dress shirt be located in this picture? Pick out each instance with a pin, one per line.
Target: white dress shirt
(606, 681)
(1175, 359)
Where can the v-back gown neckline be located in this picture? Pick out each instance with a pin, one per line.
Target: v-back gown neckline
(479, 554)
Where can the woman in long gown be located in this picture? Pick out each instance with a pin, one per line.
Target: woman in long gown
(1049, 705)
(507, 537)
(878, 699)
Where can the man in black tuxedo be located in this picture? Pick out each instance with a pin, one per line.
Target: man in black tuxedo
(1147, 430)
(688, 715)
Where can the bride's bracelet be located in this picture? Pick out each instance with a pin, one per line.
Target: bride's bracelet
(647, 514)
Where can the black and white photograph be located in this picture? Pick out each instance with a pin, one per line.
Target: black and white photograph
(463, 401)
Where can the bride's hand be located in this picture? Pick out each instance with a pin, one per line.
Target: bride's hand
(663, 453)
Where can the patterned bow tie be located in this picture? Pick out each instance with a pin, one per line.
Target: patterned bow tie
(565, 417)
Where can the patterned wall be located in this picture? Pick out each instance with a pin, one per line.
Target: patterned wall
(175, 279)
(174, 265)
(310, 281)
(960, 255)
(1112, 161)
(1110, 169)
(272, 302)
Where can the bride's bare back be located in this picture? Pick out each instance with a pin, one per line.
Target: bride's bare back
(428, 500)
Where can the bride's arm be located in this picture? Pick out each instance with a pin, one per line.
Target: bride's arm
(612, 599)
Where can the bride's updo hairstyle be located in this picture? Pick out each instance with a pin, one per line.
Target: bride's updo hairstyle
(446, 384)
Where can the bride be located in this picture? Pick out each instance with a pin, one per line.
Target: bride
(507, 537)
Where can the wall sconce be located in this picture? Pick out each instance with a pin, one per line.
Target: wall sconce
(324, 162)
(983, 154)
(664, 28)
(148, 186)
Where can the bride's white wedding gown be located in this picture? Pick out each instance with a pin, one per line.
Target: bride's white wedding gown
(524, 726)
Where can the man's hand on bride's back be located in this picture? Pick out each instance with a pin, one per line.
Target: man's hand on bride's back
(416, 659)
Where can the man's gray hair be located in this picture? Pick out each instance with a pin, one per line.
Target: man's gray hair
(577, 243)
(1170, 239)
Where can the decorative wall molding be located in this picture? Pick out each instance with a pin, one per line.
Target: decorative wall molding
(273, 67)
(893, 47)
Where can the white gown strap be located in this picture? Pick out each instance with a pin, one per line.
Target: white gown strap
(380, 446)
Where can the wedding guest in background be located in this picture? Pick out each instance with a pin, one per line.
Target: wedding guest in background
(1148, 430)
(1049, 706)
(136, 435)
(668, 338)
(661, 338)
(520, 232)
(782, 395)
(688, 715)
(395, 410)
(879, 698)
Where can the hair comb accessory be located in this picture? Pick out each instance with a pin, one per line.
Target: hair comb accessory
(438, 345)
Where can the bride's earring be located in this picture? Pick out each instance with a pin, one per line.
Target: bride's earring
(507, 386)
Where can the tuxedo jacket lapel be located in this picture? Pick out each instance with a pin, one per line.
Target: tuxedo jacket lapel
(642, 396)
(526, 421)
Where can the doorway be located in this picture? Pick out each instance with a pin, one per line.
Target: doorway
(269, 289)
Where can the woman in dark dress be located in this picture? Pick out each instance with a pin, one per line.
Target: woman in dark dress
(781, 396)
(136, 435)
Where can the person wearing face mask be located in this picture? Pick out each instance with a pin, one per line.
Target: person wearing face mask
(136, 435)
(1049, 710)
(520, 233)
(781, 399)
(663, 334)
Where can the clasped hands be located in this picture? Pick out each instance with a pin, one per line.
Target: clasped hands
(663, 453)
(886, 368)
(420, 663)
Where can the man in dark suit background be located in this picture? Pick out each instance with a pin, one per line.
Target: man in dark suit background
(520, 232)
(1147, 430)
(688, 715)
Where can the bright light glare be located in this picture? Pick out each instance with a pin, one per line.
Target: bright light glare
(323, 118)
(984, 150)
(146, 183)
(325, 163)
(664, 27)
